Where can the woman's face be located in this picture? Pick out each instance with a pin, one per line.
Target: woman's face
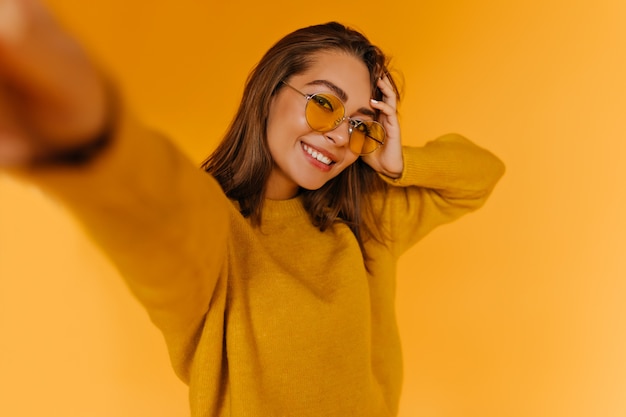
(293, 144)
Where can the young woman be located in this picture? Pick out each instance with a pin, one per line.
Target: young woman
(273, 277)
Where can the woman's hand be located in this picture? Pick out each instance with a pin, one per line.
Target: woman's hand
(387, 159)
(52, 98)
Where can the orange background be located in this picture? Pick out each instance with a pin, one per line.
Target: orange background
(516, 310)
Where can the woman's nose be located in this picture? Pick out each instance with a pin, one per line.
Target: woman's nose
(340, 135)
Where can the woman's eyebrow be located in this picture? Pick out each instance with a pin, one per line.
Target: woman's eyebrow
(367, 112)
(336, 89)
(342, 95)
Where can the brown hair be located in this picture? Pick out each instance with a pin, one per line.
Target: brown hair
(242, 162)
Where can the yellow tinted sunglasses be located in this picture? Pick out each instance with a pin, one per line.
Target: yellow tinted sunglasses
(325, 112)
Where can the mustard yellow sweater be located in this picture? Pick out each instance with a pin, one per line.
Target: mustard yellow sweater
(280, 320)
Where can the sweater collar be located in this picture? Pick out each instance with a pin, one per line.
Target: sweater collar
(283, 209)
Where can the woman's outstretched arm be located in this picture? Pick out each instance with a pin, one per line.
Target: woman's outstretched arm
(63, 127)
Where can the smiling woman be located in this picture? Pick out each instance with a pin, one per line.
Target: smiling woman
(216, 256)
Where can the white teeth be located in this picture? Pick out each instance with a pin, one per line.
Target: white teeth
(324, 159)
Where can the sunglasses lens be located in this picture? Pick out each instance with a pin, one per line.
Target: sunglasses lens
(366, 137)
(324, 112)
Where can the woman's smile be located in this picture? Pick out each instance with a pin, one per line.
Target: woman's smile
(318, 157)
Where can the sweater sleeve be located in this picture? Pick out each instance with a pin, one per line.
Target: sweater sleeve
(162, 221)
(443, 180)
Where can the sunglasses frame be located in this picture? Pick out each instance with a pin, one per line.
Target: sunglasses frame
(352, 123)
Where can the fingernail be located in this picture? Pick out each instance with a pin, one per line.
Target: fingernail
(373, 101)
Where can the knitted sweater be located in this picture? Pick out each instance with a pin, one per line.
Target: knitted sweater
(276, 320)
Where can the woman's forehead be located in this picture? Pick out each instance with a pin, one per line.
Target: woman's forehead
(338, 72)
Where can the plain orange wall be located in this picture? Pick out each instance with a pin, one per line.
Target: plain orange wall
(516, 310)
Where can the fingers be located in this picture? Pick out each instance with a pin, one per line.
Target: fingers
(389, 93)
(385, 108)
(388, 105)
